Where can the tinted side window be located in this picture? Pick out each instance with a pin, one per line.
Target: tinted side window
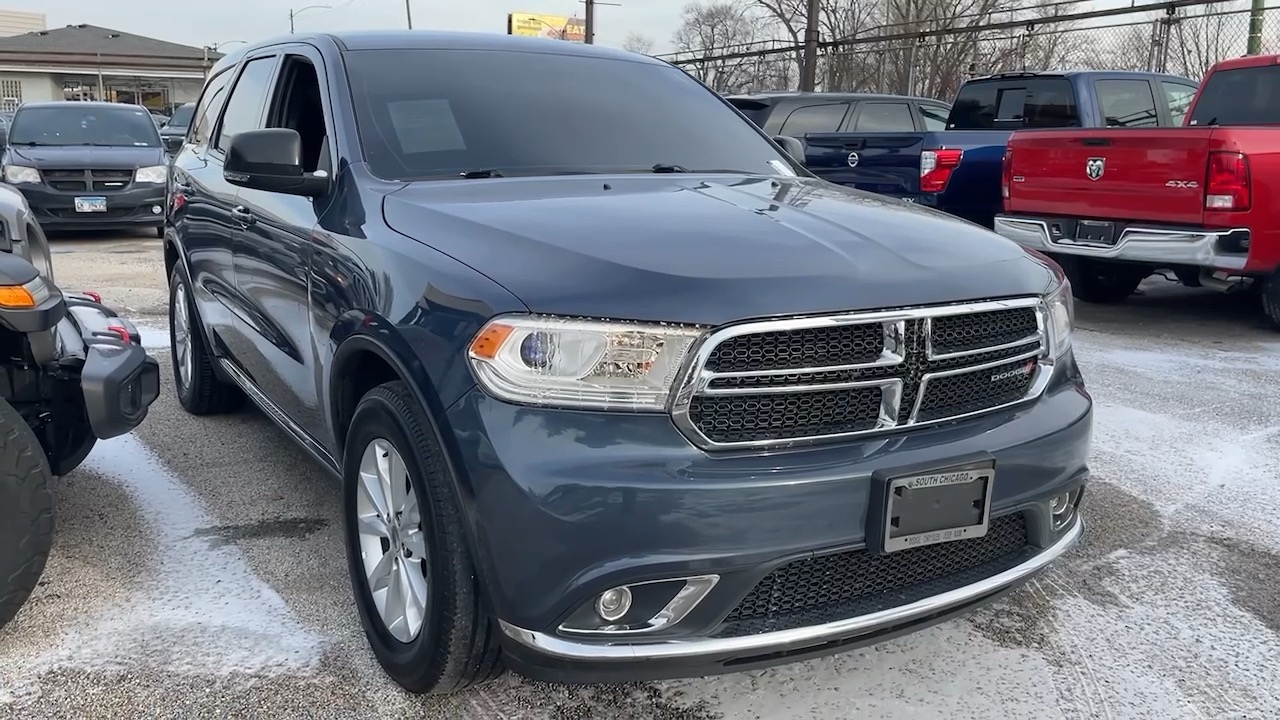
(1179, 97)
(884, 117)
(935, 117)
(208, 106)
(1127, 103)
(244, 105)
(1243, 96)
(1046, 101)
(815, 119)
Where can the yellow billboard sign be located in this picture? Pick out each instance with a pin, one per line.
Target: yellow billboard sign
(556, 27)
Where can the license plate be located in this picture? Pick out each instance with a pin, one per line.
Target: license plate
(91, 204)
(1096, 232)
(937, 507)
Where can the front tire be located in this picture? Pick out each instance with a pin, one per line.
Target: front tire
(199, 389)
(1104, 283)
(26, 512)
(425, 617)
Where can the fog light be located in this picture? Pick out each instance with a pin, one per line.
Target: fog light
(1062, 508)
(155, 209)
(613, 604)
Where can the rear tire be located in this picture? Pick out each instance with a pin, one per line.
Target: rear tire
(1102, 282)
(26, 512)
(199, 389)
(448, 641)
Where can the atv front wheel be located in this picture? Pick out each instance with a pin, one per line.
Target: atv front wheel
(26, 511)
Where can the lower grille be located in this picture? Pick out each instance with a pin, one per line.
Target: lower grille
(822, 589)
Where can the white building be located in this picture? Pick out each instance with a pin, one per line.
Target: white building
(87, 62)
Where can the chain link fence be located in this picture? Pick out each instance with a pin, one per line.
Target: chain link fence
(1182, 40)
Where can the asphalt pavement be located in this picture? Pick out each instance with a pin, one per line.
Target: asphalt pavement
(198, 568)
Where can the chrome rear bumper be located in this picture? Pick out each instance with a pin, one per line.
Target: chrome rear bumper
(1156, 246)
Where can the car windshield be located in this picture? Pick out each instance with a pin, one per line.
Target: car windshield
(182, 116)
(550, 114)
(72, 124)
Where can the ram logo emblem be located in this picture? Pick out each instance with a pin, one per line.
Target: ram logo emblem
(1095, 167)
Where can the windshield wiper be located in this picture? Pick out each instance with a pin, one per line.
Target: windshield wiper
(665, 168)
(479, 174)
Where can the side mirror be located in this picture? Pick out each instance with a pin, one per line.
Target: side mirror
(794, 147)
(271, 160)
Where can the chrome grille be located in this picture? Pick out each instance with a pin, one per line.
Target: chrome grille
(809, 379)
(87, 180)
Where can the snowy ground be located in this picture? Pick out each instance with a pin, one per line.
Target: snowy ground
(198, 567)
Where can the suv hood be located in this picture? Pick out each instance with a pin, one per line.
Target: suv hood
(708, 249)
(80, 157)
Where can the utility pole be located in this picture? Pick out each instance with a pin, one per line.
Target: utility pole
(408, 14)
(589, 31)
(809, 68)
(1255, 28)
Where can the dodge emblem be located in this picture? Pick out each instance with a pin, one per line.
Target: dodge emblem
(853, 159)
(1095, 167)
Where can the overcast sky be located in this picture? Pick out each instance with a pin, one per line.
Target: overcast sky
(249, 20)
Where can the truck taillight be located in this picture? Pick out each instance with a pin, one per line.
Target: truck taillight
(1227, 184)
(1006, 173)
(936, 167)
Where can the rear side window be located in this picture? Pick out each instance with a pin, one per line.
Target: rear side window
(1127, 103)
(244, 105)
(1179, 97)
(815, 119)
(1009, 103)
(1244, 96)
(207, 109)
(756, 111)
(885, 117)
(934, 116)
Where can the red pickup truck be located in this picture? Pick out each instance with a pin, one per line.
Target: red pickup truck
(1114, 205)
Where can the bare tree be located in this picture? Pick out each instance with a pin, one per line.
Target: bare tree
(724, 26)
(637, 43)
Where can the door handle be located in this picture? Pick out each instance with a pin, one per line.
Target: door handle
(243, 214)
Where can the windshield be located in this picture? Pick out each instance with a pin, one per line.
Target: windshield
(434, 113)
(73, 124)
(182, 116)
(1244, 96)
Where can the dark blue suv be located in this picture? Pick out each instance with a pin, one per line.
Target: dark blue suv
(615, 388)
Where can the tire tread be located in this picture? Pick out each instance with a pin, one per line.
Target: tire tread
(30, 519)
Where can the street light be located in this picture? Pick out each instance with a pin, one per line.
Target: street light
(299, 11)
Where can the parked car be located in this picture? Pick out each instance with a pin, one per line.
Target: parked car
(174, 131)
(88, 165)
(71, 373)
(953, 162)
(613, 392)
(797, 114)
(1113, 207)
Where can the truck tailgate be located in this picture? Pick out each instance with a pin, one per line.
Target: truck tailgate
(1151, 174)
(883, 162)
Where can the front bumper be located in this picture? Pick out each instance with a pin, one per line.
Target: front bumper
(1200, 247)
(549, 657)
(134, 207)
(118, 379)
(567, 504)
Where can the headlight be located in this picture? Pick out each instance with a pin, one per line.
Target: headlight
(1061, 318)
(153, 174)
(541, 360)
(14, 174)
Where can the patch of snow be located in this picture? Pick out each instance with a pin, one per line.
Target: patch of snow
(154, 337)
(200, 608)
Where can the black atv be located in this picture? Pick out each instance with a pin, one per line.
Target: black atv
(71, 373)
